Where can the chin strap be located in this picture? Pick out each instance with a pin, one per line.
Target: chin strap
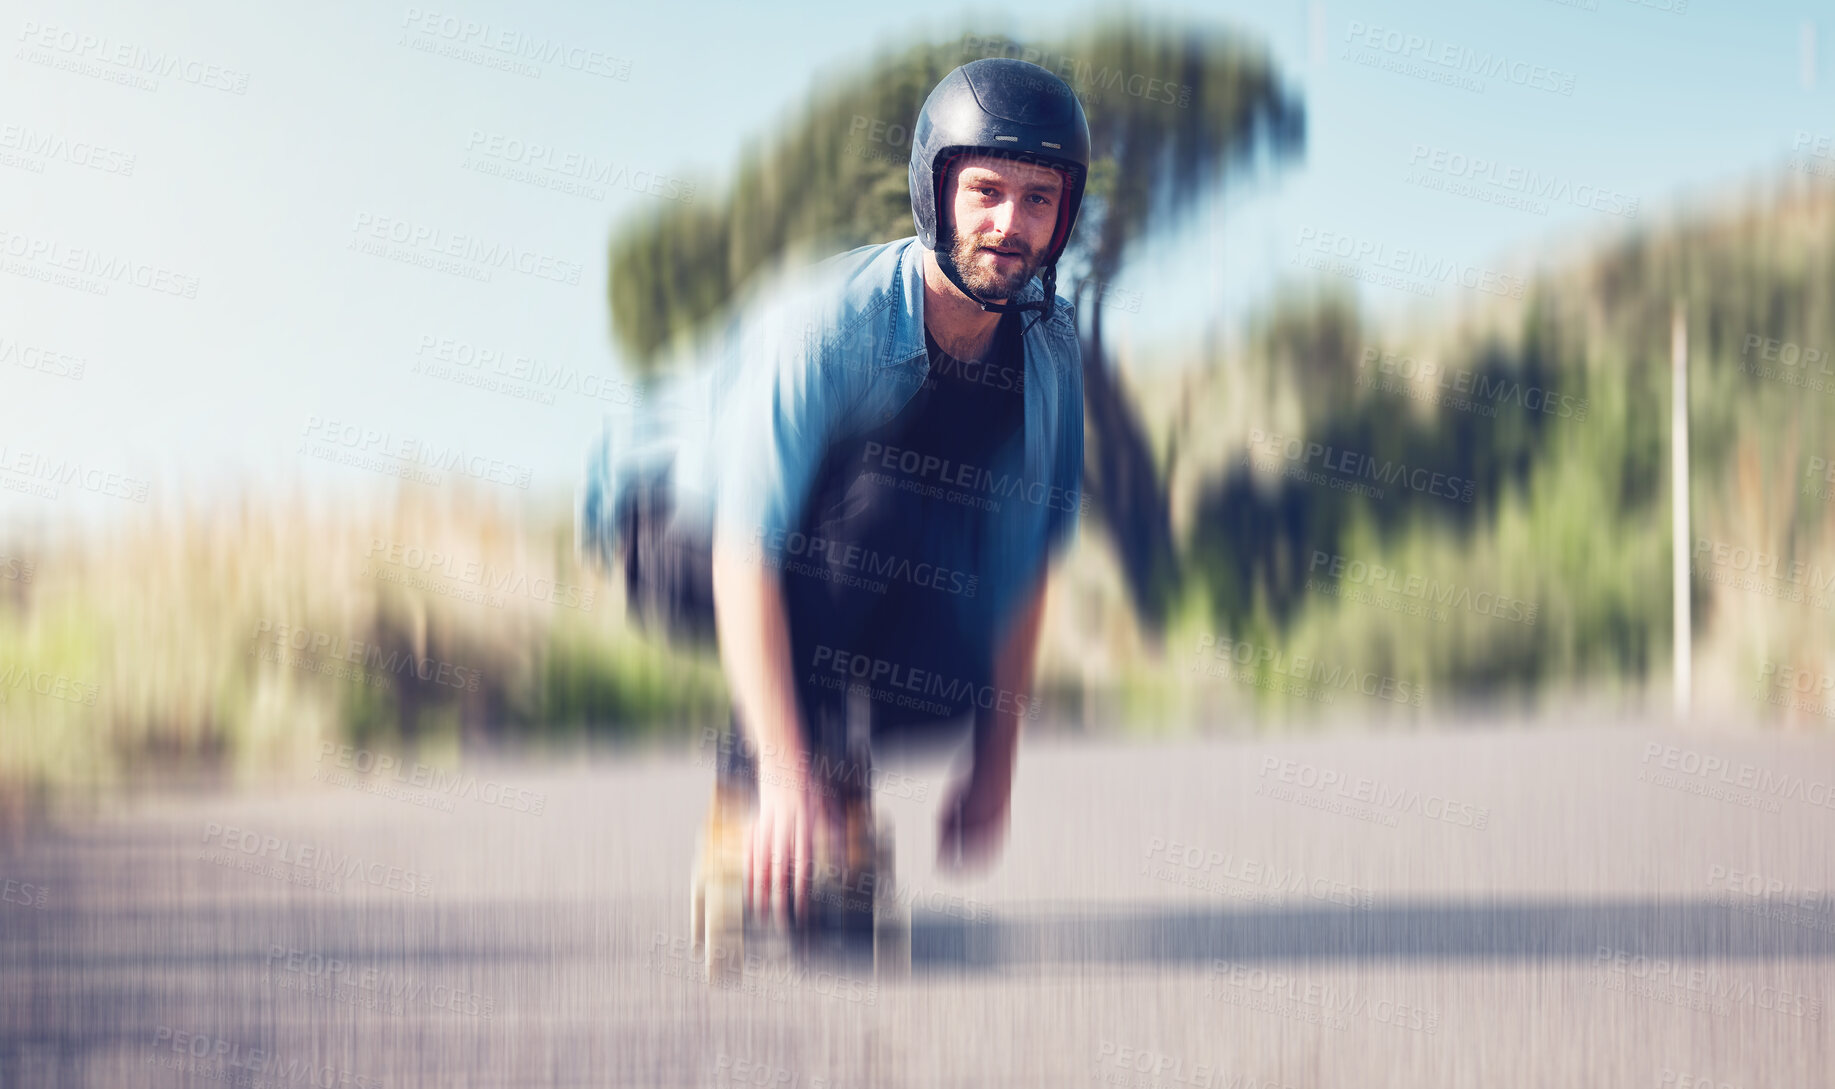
(1048, 275)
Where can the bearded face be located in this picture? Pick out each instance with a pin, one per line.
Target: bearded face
(1004, 213)
(988, 271)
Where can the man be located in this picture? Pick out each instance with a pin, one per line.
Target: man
(860, 497)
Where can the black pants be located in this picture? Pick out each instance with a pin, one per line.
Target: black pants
(855, 642)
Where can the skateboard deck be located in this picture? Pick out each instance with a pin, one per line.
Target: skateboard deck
(854, 910)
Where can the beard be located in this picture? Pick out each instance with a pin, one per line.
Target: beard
(983, 272)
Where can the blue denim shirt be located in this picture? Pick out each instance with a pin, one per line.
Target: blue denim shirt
(828, 352)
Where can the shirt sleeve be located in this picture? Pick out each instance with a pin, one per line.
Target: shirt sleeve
(1065, 515)
(778, 414)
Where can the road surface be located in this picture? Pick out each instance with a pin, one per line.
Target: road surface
(1626, 906)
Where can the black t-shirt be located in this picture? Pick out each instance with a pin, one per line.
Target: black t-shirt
(967, 409)
(914, 495)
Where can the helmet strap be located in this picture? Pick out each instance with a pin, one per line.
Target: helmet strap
(946, 261)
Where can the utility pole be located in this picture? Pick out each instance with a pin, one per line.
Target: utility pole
(1678, 492)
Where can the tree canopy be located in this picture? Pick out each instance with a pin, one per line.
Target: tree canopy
(1170, 106)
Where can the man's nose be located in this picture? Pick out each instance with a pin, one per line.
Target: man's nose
(1000, 217)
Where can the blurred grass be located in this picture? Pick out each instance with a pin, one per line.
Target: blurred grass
(165, 616)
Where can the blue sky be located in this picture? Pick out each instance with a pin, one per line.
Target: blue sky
(283, 166)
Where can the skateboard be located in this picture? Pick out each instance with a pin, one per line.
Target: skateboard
(854, 909)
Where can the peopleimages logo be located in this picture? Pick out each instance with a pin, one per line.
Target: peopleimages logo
(971, 480)
(1454, 59)
(1765, 573)
(1819, 470)
(133, 64)
(1082, 77)
(888, 677)
(26, 471)
(758, 1072)
(58, 686)
(1692, 770)
(571, 171)
(1383, 798)
(486, 577)
(405, 452)
(30, 149)
(273, 855)
(1273, 991)
(1460, 387)
(1797, 680)
(23, 893)
(1786, 352)
(370, 656)
(511, 45)
(1408, 262)
(1522, 181)
(1786, 361)
(43, 360)
(213, 1058)
(1808, 146)
(466, 254)
(1314, 677)
(305, 972)
(1697, 988)
(452, 784)
(1139, 1068)
(750, 972)
(846, 563)
(516, 374)
(817, 770)
(1345, 465)
(1772, 889)
(38, 258)
(1193, 866)
(1375, 576)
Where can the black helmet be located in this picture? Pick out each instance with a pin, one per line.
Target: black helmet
(1006, 107)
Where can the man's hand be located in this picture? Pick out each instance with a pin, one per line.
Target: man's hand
(973, 827)
(793, 812)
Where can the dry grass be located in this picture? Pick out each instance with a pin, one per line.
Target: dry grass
(161, 642)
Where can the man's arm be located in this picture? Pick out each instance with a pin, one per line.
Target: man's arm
(975, 816)
(997, 727)
(754, 639)
(782, 408)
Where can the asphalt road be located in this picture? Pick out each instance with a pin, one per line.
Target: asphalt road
(1599, 907)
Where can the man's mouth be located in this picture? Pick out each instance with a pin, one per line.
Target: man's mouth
(1015, 254)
